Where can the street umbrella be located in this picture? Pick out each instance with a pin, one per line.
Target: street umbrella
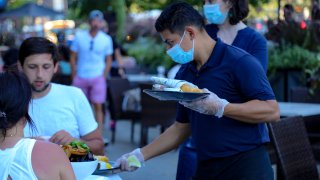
(31, 10)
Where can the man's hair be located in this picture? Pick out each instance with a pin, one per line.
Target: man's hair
(238, 11)
(15, 96)
(37, 45)
(177, 16)
(289, 7)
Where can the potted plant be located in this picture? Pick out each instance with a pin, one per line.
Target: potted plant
(291, 66)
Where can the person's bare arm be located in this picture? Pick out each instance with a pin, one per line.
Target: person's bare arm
(108, 60)
(49, 161)
(73, 63)
(170, 139)
(254, 111)
(94, 141)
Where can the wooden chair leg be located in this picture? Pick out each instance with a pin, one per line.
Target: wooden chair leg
(113, 135)
(132, 130)
(143, 136)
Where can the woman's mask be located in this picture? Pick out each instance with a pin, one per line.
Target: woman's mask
(213, 14)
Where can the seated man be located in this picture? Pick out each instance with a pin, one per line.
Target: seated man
(61, 112)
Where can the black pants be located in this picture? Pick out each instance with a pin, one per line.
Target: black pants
(250, 165)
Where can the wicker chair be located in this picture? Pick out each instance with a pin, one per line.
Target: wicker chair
(293, 149)
(312, 123)
(116, 89)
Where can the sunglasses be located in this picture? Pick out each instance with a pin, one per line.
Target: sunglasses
(91, 45)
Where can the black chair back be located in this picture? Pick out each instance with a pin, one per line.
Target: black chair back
(117, 86)
(155, 112)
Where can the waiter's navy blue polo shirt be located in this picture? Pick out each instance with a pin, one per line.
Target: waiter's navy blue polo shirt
(236, 76)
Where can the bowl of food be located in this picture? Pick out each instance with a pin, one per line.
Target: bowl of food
(81, 158)
(84, 169)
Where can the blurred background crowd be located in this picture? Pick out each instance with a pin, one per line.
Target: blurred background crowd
(290, 26)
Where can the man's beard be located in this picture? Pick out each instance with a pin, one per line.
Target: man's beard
(40, 90)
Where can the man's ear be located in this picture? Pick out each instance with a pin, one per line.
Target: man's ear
(56, 67)
(191, 31)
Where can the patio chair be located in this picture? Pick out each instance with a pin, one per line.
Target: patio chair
(116, 89)
(312, 123)
(155, 112)
(293, 149)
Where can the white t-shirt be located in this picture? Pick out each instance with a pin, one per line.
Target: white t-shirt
(16, 161)
(63, 108)
(91, 53)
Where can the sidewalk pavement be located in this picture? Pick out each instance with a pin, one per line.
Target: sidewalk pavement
(160, 168)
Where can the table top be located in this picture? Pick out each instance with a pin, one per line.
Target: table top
(109, 177)
(139, 78)
(298, 109)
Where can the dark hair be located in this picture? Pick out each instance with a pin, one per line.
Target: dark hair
(15, 96)
(238, 11)
(64, 51)
(289, 7)
(10, 59)
(37, 45)
(177, 16)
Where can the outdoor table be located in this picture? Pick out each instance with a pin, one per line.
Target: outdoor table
(298, 109)
(100, 177)
(139, 78)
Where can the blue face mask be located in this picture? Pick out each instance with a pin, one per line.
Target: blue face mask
(180, 56)
(213, 14)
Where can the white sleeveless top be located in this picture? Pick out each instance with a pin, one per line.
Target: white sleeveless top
(16, 161)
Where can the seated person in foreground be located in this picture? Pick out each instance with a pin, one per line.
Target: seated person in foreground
(23, 158)
(61, 113)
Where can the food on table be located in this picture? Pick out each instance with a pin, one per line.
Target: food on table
(78, 151)
(104, 159)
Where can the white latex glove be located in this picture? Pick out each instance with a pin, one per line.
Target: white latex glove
(131, 161)
(210, 105)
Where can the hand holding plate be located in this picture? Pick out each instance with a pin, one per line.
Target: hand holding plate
(211, 105)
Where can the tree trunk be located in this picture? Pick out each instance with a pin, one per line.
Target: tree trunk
(120, 8)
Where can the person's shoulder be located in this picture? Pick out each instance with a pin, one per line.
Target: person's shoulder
(48, 152)
(232, 52)
(255, 35)
(66, 89)
(105, 35)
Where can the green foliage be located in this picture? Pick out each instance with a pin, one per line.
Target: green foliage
(12, 4)
(149, 52)
(292, 57)
(161, 4)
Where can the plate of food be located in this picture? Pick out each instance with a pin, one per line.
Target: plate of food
(175, 95)
(174, 90)
(82, 160)
(84, 163)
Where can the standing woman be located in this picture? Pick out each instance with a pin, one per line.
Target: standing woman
(224, 22)
(23, 158)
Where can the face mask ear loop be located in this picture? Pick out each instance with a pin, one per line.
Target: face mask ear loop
(184, 32)
(193, 48)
